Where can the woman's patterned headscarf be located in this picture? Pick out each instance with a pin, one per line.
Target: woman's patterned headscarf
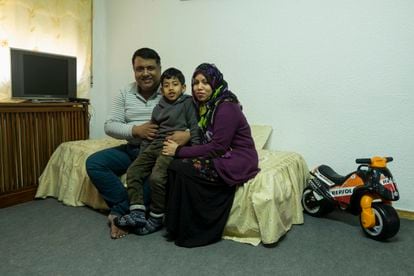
(220, 94)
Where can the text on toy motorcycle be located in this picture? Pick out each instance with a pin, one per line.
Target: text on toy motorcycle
(385, 181)
(341, 192)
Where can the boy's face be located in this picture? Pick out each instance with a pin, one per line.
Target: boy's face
(172, 89)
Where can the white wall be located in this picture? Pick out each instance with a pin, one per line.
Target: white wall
(100, 95)
(333, 78)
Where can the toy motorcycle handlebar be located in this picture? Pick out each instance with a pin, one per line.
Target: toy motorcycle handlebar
(369, 160)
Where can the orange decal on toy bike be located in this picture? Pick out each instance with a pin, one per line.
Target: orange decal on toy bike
(353, 181)
(342, 194)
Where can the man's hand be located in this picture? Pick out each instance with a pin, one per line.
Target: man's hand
(169, 148)
(145, 131)
(180, 137)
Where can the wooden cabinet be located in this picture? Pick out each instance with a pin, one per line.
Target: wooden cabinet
(29, 133)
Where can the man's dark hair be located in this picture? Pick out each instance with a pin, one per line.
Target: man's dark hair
(146, 53)
(173, 73)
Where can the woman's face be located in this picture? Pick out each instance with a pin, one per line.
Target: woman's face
(201, 88)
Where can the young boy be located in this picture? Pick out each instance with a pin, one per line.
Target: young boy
(175, 111)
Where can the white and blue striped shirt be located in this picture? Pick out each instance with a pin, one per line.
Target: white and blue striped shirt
(128, 109)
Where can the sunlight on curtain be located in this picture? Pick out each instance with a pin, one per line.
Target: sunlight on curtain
(54, 26)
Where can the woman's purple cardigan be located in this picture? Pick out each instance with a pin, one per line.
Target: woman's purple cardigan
(230, 134)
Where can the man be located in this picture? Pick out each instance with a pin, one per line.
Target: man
(128, 119)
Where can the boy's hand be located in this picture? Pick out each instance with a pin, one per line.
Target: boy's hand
(169, 148)
(180, 137)
(145, 131)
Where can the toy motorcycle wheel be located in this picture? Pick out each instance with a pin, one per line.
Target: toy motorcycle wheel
(387, 222)
(314, 206)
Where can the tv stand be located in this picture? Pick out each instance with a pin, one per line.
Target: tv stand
(49, 100)
(30, 133)
(70, 100)
(78, 100)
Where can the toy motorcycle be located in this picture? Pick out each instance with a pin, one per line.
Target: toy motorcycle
(366, 192)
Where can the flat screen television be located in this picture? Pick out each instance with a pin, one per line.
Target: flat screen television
(39, 75)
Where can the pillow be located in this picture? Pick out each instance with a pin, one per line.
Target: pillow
(260, 135)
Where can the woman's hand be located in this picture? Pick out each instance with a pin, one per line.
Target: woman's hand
(169, 147)
(145, 131)
(180, 137)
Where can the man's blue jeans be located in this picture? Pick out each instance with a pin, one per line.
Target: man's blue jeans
(104, 169)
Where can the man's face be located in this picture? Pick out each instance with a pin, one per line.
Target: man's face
(147, 74)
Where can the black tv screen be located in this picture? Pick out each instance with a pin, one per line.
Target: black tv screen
(38, 75)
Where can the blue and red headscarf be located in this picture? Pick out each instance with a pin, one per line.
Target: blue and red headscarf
(220, 94)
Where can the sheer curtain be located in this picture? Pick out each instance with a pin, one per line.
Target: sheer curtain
(53, 26)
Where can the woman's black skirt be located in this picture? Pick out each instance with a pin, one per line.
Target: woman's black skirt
(198, 203)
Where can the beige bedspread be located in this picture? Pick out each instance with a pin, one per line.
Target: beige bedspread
(264, 208)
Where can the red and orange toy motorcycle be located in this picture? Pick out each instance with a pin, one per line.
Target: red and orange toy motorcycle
(367, 192)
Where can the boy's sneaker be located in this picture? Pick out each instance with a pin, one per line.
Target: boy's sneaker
(153, 224)
(136, 218)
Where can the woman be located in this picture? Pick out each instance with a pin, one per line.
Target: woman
(201, 185)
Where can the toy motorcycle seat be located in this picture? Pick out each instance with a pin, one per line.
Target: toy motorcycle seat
(329, 173)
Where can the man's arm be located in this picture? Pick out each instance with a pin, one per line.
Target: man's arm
(131, 125)
(147, 130)
(115, 125)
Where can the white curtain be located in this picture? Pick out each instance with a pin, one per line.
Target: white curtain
(54, 26)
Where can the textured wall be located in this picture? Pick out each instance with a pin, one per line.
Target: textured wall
(333, 78)
(58, 27)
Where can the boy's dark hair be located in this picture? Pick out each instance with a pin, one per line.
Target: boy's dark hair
(172, 73)
(146, 53)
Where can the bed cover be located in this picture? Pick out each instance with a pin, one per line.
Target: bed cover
(264, 208)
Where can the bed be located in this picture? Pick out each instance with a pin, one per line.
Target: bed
(264, 208)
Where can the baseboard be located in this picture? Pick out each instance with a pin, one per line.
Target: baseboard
(17, 197)
(406, 214)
